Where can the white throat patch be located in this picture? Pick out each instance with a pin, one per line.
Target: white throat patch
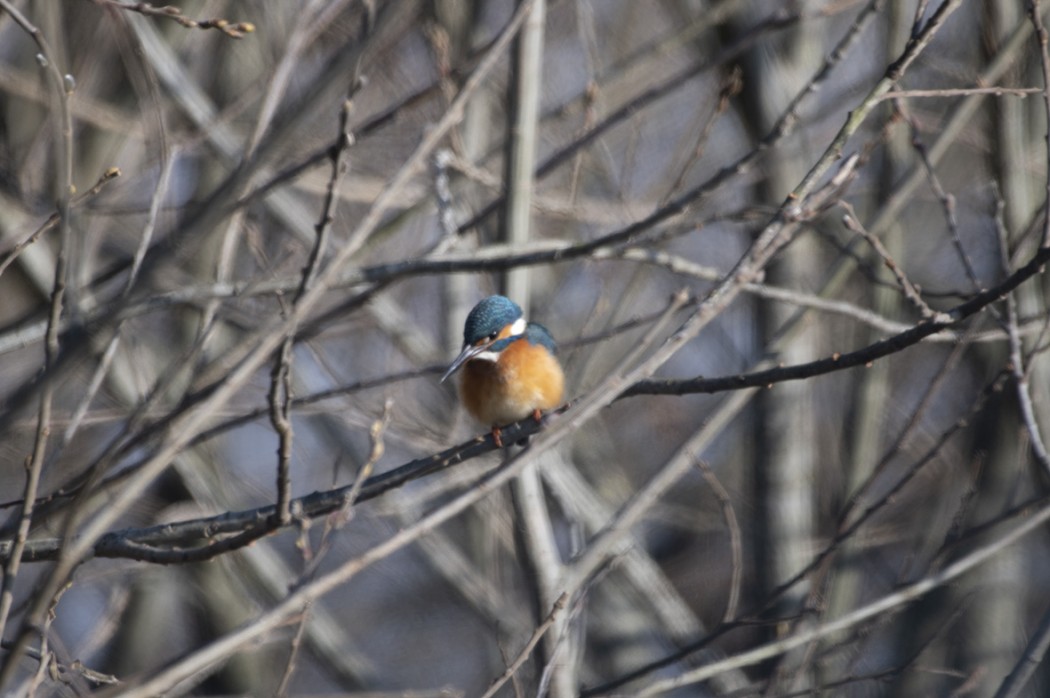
(516, 330)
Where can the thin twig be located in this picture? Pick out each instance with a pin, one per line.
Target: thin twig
(111, 349)
(12, 254)
(1035, 14)
(961, 92)
(605, 543)
(910, 292)
(234, 30)
(686, 267)
(293, 652)
(1031, 659)
(947, 199)
(342, 516)
(299, 39)
(732, 84)
(280, 396)
(735, 538)
(1017, 360)
(526, 651)
(960, 119)
(63, 155)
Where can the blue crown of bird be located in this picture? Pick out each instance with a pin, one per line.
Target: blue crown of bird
(508, 365)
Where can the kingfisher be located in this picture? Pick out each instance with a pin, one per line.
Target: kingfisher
(509, 366)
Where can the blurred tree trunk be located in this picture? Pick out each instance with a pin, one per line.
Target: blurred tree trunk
(786, 463)
(873, 396)
(996, 627)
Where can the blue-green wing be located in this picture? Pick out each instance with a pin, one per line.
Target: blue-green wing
(538, 334)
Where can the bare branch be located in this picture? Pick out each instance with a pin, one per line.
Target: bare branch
(234, 30)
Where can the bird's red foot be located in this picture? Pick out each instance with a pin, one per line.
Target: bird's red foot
(537, 415)
(497, 436)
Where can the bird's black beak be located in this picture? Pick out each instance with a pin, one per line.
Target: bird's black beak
(468, 353)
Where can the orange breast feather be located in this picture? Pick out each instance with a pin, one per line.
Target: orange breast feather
(526, 378)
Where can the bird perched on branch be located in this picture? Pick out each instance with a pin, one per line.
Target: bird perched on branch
(509, 367)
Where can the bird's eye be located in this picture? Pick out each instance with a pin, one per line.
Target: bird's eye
(493, 335)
